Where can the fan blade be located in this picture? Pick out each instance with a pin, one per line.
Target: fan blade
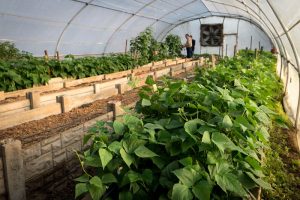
(206, 32)
(206, 39)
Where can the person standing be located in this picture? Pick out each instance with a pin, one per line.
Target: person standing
(188, 45)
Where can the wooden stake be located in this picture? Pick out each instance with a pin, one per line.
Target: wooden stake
(57, 55)
(126, 46)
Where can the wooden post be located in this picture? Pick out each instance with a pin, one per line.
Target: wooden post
(226, 49)
(57, 55)
(115, 106)
(126, 46)
(46, 55)
(213, 60)
(97, 88)
(13, 169)
(35, 99)
(234, 50)
(121, 88)
(259, 45)
(66, 103)
(251, 43)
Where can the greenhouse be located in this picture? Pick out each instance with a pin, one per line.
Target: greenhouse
(149, 99)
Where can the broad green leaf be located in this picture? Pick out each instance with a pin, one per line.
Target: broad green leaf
(259, 181)
(224, 143)
(128, 159)
(154, 126)
(133, 176)
(87, 137)
(146, 102)
(262, 117)
(206, 138)
(230, 182)
(186, 161)
(191, 127)
(159, 162)
(181, 192)
(105, 157)
(168, 170)
(119, 127)
(83, 179)
(92, 161)
(132, 143)
(212, 157)
(266, 110)
(202, 190)
(144, 152)
(115, 147)
(125, 195)
(147, 176)
(134, 124)
(109, 178)
(227, 123)
(187, 176)
(149, 80)
(80, 189)
(96, 188)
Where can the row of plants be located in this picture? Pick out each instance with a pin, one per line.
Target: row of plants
(20, 70)
(200, 140)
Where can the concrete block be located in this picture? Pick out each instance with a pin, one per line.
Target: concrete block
(50, 140)
(54, 146)
(2, 186)
(59, 158)
(13, 169)
(32, 152)
(72, 135)
(71, 148)
(38, 166)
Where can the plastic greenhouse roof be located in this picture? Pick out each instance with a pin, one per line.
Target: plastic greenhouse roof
(103, 26)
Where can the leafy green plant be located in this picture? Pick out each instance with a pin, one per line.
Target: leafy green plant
(199, 140)
(8, 51)
(174, 44)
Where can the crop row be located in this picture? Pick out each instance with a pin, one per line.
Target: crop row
(198, 140)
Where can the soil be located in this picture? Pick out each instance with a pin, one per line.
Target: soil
(37, 130)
